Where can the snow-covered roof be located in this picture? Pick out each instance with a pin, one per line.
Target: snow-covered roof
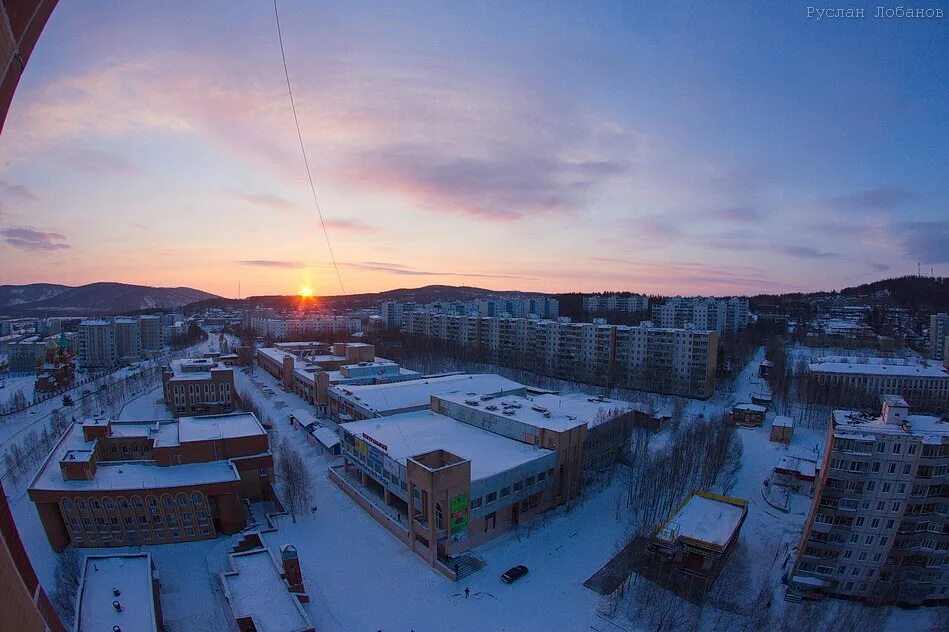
(255, 589)
(210, 427)
(399, 396)
(549, 411)
(326, 436)
(303, 416)
(930, 428)
(126, 475)
(806, 468)
(754, 408)
(880, 366)
(785, 422)
(704, 519)
(414, 433)
(102, 576)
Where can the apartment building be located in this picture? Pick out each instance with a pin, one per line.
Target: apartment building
(669, 361)
(295, 328)
(97, 344)
(723, 315)
(475, 467)
(858, 381)
(119, 592)
(198, 386)
(128, 339)
(394, 313)
(878, 530)
(310, 369)
(128, 483)
(150, 333)
(938, 332)
(615, 303)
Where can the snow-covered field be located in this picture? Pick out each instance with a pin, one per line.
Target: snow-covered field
(360, 578)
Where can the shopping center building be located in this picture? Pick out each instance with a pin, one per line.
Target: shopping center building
(476, 465)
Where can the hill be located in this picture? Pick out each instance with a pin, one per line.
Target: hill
(94, 298)
(426, 294)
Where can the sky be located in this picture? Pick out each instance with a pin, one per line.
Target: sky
(731, 148)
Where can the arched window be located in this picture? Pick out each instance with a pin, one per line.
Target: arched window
(182, 500)
(67, 504)
(196, 498)
(439, 517)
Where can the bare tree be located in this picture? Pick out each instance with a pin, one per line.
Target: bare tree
(68, 574)
(294, 478)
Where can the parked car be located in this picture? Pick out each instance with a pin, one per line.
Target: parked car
(514, 574)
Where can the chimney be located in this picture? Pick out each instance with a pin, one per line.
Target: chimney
(117, 606)
(291, 569)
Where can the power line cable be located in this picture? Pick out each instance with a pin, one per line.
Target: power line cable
(306, 163)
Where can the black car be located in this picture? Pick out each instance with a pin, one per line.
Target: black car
(514, 574)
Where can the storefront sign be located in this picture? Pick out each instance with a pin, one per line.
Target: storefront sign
(374, 442)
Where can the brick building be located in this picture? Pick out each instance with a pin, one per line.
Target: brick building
(198, 386)
(127, 483)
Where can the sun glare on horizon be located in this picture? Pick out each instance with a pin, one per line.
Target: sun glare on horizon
(306, 292)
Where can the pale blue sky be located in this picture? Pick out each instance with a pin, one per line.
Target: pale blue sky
(659, 147)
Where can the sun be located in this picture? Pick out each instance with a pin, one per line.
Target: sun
(306, 292)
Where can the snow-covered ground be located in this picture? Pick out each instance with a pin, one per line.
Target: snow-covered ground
(360, 578)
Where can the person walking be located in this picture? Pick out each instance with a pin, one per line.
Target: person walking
(467, 590)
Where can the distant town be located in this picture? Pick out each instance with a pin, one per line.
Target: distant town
(737, 455)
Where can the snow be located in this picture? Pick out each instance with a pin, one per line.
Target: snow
(552, 412)
(704, 519)
(880, 366)
(920, 425)
(214, 427)
(383, 399)
(120, 475)
(806, 468)
(256, 590)
(326, 436)
(360, 578)
(131, 575)
(783, 422)
(414, 433)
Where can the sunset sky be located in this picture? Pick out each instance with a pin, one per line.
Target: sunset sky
(652, 146)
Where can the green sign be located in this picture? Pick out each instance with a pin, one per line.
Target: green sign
(459, 517)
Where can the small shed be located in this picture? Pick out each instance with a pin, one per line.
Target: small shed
(761, 399)
(782, 429)
(749, 415)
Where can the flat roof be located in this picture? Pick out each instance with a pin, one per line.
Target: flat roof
(131, 576)
(126, 475)
(804, 467)
(414, 433)
(212, 427)
(704, 519)
(255, 589)
(785, 422)
(550, 411)
(326, 436)
(754, 408)
(931, 428)
(395, 396)
(880, 366)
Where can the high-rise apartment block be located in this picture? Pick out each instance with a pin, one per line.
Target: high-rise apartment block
(878, 530)
(128, 339)
(938, 332)
(97, 344)
(724, 315)
(662, 360)
(615, 303)
(394, 313)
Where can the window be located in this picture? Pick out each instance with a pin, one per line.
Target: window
(493, 496)
(897, 447)
(475, 503)
(108, 504)
(907, 468)
(518, 486)
(884, 540)
(67, 504)
(886, 488)
(262, 471)
(876, 466)
(196, 498)
(505, 491)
